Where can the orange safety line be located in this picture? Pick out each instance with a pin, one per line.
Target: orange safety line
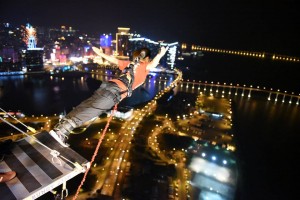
(96, 151)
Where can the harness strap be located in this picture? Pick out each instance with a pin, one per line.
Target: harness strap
(124, 79)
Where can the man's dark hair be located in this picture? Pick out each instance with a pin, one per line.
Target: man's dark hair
(138, 52)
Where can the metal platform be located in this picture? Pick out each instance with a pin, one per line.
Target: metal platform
(38, 172)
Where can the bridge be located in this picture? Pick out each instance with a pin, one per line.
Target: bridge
(262, 55)
(230, 90)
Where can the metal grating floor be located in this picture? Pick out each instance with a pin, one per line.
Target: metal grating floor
(37, 171)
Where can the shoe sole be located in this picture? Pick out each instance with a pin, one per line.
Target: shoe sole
(8, 176)
(55, 136)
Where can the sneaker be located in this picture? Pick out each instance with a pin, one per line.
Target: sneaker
(59, 137)
(7, 176)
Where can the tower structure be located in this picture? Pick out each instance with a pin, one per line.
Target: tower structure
(122, 42)
(30, 37)
(33, 55)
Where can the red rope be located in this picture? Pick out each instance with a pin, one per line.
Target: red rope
(96, 151)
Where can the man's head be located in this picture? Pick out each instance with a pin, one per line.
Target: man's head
(142, 53)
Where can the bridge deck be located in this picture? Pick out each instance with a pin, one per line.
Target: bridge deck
(37, 171)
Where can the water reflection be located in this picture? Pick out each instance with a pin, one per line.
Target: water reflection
(54, 94)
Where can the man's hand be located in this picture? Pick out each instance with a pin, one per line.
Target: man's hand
(98, 51)
(163, 51)
(110, 59)
(156, 59)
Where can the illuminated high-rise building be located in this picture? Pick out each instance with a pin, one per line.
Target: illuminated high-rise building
(106, 43)
(33, 55)
(30, 36)
(34, 60)
(9, 54)
(122, 42)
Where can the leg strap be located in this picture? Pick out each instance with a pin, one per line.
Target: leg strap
(125, 80)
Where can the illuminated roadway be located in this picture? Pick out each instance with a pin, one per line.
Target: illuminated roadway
(120, 153)
(118, 158)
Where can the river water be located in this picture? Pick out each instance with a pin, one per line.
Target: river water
(267, 133)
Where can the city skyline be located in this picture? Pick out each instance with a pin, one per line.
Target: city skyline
(269, 26)
(265, 128)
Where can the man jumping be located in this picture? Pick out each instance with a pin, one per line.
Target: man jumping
(109, 93)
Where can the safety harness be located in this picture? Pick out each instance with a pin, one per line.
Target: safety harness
(130, 69)
(123, 77)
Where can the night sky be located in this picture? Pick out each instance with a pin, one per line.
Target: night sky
(257, 25)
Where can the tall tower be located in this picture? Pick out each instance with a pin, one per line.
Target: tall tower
(30, 37)
(33, 55)
(122, 41)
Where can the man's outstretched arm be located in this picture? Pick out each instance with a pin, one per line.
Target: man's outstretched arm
(157, 58)
(110, 59)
